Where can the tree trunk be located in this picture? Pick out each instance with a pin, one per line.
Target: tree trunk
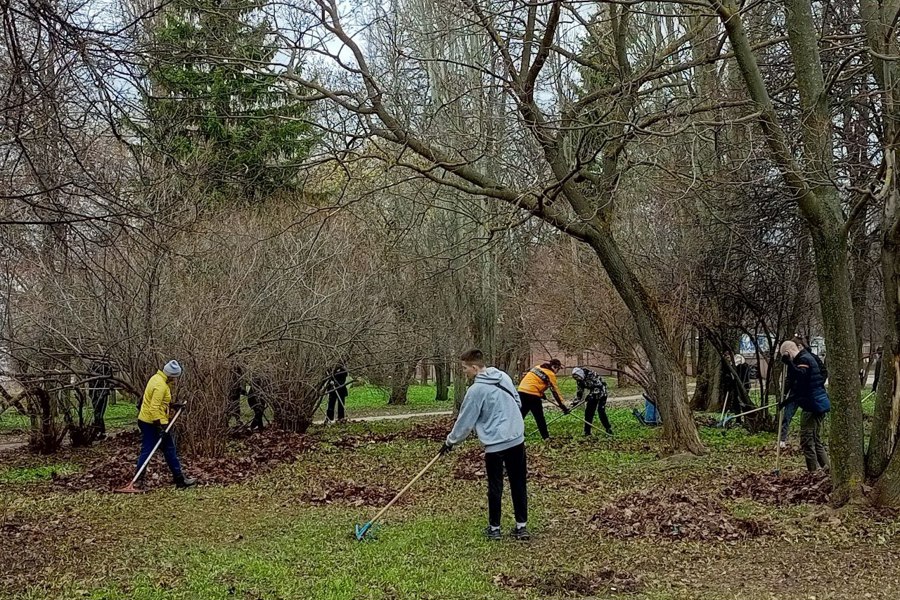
(709, 376)
(441, 380)
(459, 386)
(883, 438)
(679, 432)
(403, 373)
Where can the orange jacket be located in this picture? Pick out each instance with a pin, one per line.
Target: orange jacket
(534, 385)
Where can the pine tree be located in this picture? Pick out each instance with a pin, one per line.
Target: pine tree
(215, 108)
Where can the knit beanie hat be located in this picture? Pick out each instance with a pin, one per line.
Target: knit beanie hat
(172, 368)
(578, 373)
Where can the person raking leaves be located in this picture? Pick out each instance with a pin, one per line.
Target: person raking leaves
(592, 384)
(532, 389)
(153, 418)
(491, 408)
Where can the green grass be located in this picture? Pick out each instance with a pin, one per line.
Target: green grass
(118, 415)
(36, 474)
(262, 540)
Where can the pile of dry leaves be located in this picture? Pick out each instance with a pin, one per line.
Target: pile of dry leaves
(350, 492)
(589, 582)
(112, 465)
(800, 487)
(674, 515)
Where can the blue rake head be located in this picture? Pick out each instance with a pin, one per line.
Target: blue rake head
(362, 530)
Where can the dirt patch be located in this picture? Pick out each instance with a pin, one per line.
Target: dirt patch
(351, 493)
(800, 487)
(590, 582)
(673, 515)
(469, 466)
(112, 465)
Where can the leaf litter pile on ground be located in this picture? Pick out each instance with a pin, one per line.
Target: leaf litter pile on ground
(592, 580)
(350, 492)
(800, 487)
(674, 515)
(112, 464)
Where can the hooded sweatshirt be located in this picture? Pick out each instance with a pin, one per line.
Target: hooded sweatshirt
(492, 408)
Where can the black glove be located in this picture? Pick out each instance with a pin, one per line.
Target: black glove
(786, 359)
(445, 449)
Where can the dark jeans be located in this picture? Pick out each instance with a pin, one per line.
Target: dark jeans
(811, 425)
(150, 434)
(336, 399)
(787, 415)
(259, 409)
(535, 405)
(99, 401)
(517, 472)
(598, 405)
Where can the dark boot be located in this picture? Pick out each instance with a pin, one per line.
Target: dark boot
(182, 482)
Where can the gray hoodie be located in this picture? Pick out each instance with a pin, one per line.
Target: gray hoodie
(492, 408)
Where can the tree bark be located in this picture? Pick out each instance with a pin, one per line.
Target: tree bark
(441, 380)
(403, 373)
(709, 376)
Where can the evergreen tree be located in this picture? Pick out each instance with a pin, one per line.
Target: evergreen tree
(215, 106)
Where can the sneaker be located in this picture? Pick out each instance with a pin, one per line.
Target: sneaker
(492, 534)
(782, 445)
(101, 437)
(182, 482)
(609, 432)
(521, 533)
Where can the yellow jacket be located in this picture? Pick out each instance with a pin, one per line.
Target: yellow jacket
(534, 385)
(157, 396)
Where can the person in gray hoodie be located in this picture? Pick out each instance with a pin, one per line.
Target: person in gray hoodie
(492, 408)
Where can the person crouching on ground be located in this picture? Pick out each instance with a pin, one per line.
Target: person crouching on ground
(592, 384)
(491, 407)
(153, 419)
(808, 391)
(532, 389)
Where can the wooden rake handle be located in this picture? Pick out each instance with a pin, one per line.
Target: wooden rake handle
(156, 447)
(403, 491)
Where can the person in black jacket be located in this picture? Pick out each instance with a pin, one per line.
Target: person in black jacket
(807, 390)
(336, 386)
(101, 372)
(592, 384)
(878, 354)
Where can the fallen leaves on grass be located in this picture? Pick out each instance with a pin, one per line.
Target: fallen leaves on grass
(352, 442)
(790, 488)
(350, 492)
(112, 465)
(590, 582)
(434, 430)
(469, 466)
(673, 515)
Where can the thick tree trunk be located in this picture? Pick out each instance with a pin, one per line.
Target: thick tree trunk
(709, 376)
(403, 374)
(846, 439)
(460, 384)
(679, 432)
(883, 438)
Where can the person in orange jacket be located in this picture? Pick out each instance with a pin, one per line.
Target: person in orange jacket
(532, 389)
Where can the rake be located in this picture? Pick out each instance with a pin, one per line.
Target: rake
(554, 419)
(362, 530)
(130, 489)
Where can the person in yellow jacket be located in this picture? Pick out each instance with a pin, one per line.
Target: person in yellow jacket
(154, 417)
(532, 389)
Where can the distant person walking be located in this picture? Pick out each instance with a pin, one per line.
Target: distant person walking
(337, 392)
(878, 355)
(807, 390)
(99, 389)
(532, 389)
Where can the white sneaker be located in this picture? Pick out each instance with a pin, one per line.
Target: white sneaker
(783, 445)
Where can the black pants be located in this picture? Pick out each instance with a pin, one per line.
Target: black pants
(339, 399)
(535, 405)
(599, 405)
(517, 471)
(259, 408)
(99, 400)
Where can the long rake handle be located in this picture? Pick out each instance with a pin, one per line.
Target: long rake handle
(403, 491)
(156, 447)
(554, 419)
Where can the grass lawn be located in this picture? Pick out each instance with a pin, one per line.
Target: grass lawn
(278, 536)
